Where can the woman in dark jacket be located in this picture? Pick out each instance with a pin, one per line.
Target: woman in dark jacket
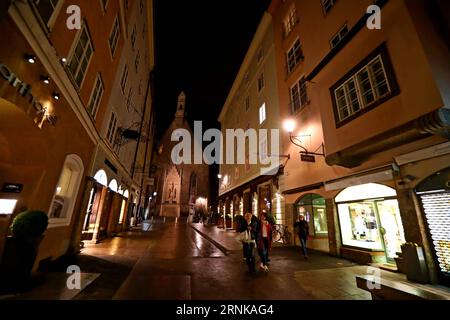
(303, 231)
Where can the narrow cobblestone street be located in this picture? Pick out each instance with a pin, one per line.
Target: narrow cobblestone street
(175, 261)
(168, 260)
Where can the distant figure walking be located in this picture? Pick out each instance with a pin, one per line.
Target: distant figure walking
(264, 240)
(303, 231)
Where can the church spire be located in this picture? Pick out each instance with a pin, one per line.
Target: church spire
(181, 106)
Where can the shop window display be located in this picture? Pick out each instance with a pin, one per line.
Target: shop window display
(374, 224)
(313, 207)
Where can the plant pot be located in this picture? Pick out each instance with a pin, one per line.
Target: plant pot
(18, 261)
(414, 264)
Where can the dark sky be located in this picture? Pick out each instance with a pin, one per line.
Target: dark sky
(200, 45)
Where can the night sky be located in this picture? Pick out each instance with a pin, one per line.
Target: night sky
(200, 46)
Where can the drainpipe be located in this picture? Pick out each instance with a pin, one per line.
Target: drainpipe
(133, 171)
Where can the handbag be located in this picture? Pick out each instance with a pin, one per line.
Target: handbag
(245, 237)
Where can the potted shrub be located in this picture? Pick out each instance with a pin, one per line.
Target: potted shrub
(21, 248)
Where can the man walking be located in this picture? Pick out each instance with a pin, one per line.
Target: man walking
(303, 231)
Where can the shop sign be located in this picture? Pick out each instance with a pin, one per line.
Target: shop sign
(12, 188)
(307, 158)
(25, 91)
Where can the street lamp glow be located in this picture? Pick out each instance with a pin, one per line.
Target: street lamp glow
(219, 176)
(155, 194)
(289, 125)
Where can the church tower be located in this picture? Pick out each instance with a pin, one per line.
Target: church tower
(178, 186)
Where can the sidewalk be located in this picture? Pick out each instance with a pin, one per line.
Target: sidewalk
(322, 276)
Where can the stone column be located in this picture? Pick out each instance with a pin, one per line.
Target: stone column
(74, 246)
(415, 228)
(334, 234)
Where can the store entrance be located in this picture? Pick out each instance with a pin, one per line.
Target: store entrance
(372, 224)
(391, 227)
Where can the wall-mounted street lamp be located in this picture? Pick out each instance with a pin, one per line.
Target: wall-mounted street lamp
(306, 155)
(56, 95)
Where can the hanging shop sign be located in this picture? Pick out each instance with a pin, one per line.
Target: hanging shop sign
(307, 158)
(41, 113)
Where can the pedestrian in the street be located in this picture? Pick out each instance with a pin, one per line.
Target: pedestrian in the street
(303, 231)
(264, 241)
(241, 226)
(248, 238)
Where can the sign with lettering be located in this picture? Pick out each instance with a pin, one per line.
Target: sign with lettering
(307, 158)
(12, 188)
(24, 90)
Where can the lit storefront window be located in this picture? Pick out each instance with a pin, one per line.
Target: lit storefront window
(313, 207)
(373, 223)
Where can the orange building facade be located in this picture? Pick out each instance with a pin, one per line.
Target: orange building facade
(375, 103)
(54, 89)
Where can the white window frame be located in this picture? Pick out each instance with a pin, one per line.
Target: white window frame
(56, 10)
(111, 129)
(262, 113)
(133, 37)
(113, 38)
(260, 54)
(75, 163)
(261, 82)
(355, 79)
(302, 91)
(330, 3)
(137, 61)
(130, 99)
(124, 78)
(339, 35)
(297, 55)
(96, 95)
(290, 20)
(263, 149)
(84, 28)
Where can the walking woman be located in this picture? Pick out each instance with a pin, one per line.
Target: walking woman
(249, 229)
(303, 231)
(264, 241)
